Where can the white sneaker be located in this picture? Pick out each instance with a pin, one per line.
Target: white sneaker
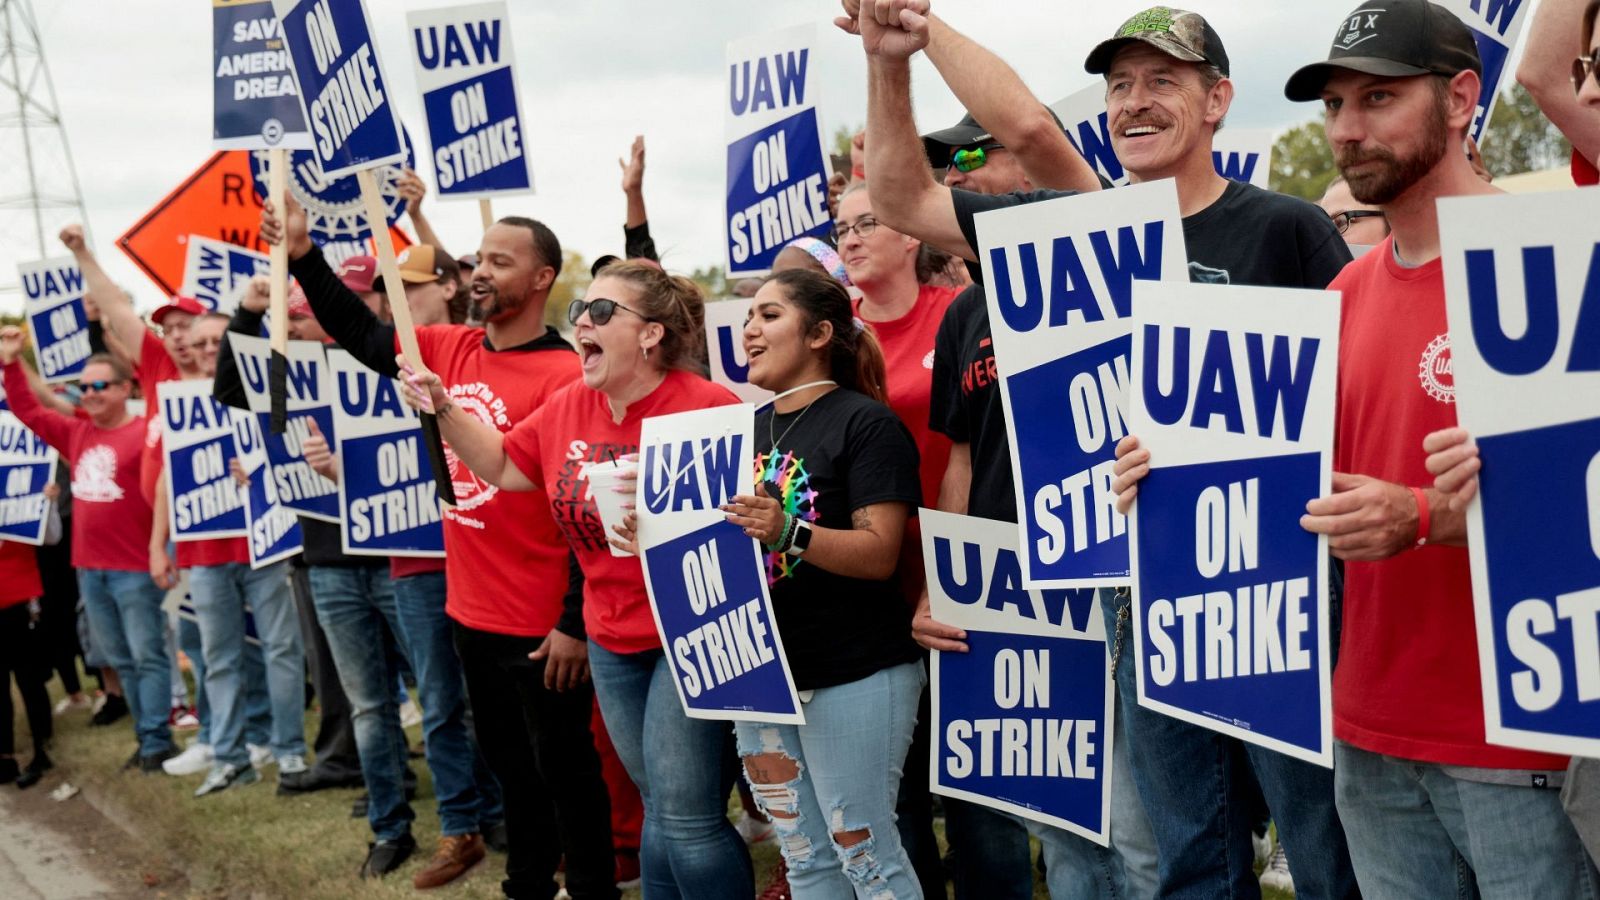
(753, 830)
(99, 701)
(409, 714)
(196, 759)
(68, 704)
(291, 764)
(225, 776)
(260, 757)
(1276, 874)
(1263, 846)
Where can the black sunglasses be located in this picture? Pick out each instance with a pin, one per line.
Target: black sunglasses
(1585, 66)
(97, 386)
(1343, 220)
(600, 311)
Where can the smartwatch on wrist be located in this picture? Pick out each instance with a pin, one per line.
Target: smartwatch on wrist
(802, 538)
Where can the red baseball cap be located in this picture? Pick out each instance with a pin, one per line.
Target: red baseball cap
(357, 273)
(178, 303)
(299, 306)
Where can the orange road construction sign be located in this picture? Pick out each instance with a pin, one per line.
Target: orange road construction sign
(217, 201)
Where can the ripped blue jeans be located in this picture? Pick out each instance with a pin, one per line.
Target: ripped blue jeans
(830, 785)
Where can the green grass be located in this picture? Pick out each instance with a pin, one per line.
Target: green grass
(248, 841)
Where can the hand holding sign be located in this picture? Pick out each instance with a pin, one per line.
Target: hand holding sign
(760, 515)
(318, 455)
(1133, 464)
(1365, 519)
(1454, 463)
(933, 634)
(291, 229)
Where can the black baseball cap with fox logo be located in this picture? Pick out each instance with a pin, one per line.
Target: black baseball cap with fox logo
(1392, 38)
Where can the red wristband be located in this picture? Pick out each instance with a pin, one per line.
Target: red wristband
(1423, 519)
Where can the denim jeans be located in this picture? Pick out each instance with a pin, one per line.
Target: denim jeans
(130, 634)
(468, 794)
(189, 642)
(689, 848)
(220, 595)
(1189, 781)
(829, 786)
(1418, 831)
(353, 603)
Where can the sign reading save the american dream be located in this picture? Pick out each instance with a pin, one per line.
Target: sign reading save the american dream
(464, 60)
(1059, 277)
(203, 499)
(707, 579)
(310, 398)
(27, 464)
(273, 529)
(1524, 309)
(1022, 722)
(386, 492)
(52, 301)
(255, 102)
(344, 95)
(777, 173)
(1232, 392)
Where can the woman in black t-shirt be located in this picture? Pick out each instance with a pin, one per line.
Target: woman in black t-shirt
(835, 487)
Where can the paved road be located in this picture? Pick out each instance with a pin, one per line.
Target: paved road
(40, 863)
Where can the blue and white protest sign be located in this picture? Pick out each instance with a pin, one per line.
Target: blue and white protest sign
(725, 321)
(52, 302)
(310, 398)
(335, 218)
(255, 104)
(203, 499)
(1496, 25)
(1022, 722)
(27, 465)
(273, 530)
(1524, 310)
(706, 578)
(777, 171)
(1238, 154)
(1233, 395)
(343, 93)
(217, 272)
(386, 491)
(463, 60)
(1059, 277)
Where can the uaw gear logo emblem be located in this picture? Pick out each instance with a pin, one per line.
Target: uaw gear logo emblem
(1358, 29)
(334, 215)
(1434, 370)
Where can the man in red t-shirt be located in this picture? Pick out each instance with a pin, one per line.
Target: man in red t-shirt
(1418, 788)
(110, 533)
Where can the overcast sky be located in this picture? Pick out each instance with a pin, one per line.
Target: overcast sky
(133, 81)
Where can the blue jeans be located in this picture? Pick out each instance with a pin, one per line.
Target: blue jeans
(220, 595)
(189, 643)
(129, 632)
(468, 794)
(829, 786)
(1188, 781)
(257, 708)
(1417, 831)
(689, 848)
(353, 603)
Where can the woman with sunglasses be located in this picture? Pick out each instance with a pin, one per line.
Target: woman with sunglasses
(641, 340)
(839, 477)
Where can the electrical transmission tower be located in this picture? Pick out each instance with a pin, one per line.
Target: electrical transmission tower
(38, 184)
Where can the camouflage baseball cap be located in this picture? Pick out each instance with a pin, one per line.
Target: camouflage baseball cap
(1178, 33)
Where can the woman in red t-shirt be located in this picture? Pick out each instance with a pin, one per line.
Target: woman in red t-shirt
(640, 334)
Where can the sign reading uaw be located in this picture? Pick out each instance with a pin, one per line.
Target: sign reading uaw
(777, 174)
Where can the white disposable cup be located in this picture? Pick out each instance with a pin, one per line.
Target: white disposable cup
(612, 505)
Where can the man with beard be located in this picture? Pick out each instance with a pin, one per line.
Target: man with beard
(1167, 92)
(1418, 788)
(514, 591)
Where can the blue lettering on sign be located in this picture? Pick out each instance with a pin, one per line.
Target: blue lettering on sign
(1070, 290)
(390, 502)
(305, 380)
(1536, 346)
(361, 394)
(1273, 382)
(1002, 591)
(1093, 143)
(184, 413)
(63, 282)
(751, 82)
(345, 96)
(680, 476)
(1492, 54)
(730, 363)
(477, 135)
(777, 191)
(296, 484)
(1235, 166)
(1543, 552)
(1230, 623)
(1499, 15)
(23, 513)
(444, 45)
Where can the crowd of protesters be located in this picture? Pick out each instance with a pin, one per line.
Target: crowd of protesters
(549, 720)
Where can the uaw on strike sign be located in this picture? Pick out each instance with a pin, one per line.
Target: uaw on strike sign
(1233, 393)
(1524, 309)
(1059, 277)
(777, 174)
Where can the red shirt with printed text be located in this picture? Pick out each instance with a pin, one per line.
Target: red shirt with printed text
(550, 447)
(1407, 683)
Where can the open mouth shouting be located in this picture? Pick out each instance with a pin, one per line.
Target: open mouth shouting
(591, 352)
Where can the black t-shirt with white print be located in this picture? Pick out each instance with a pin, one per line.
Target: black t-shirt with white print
(844, 452)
